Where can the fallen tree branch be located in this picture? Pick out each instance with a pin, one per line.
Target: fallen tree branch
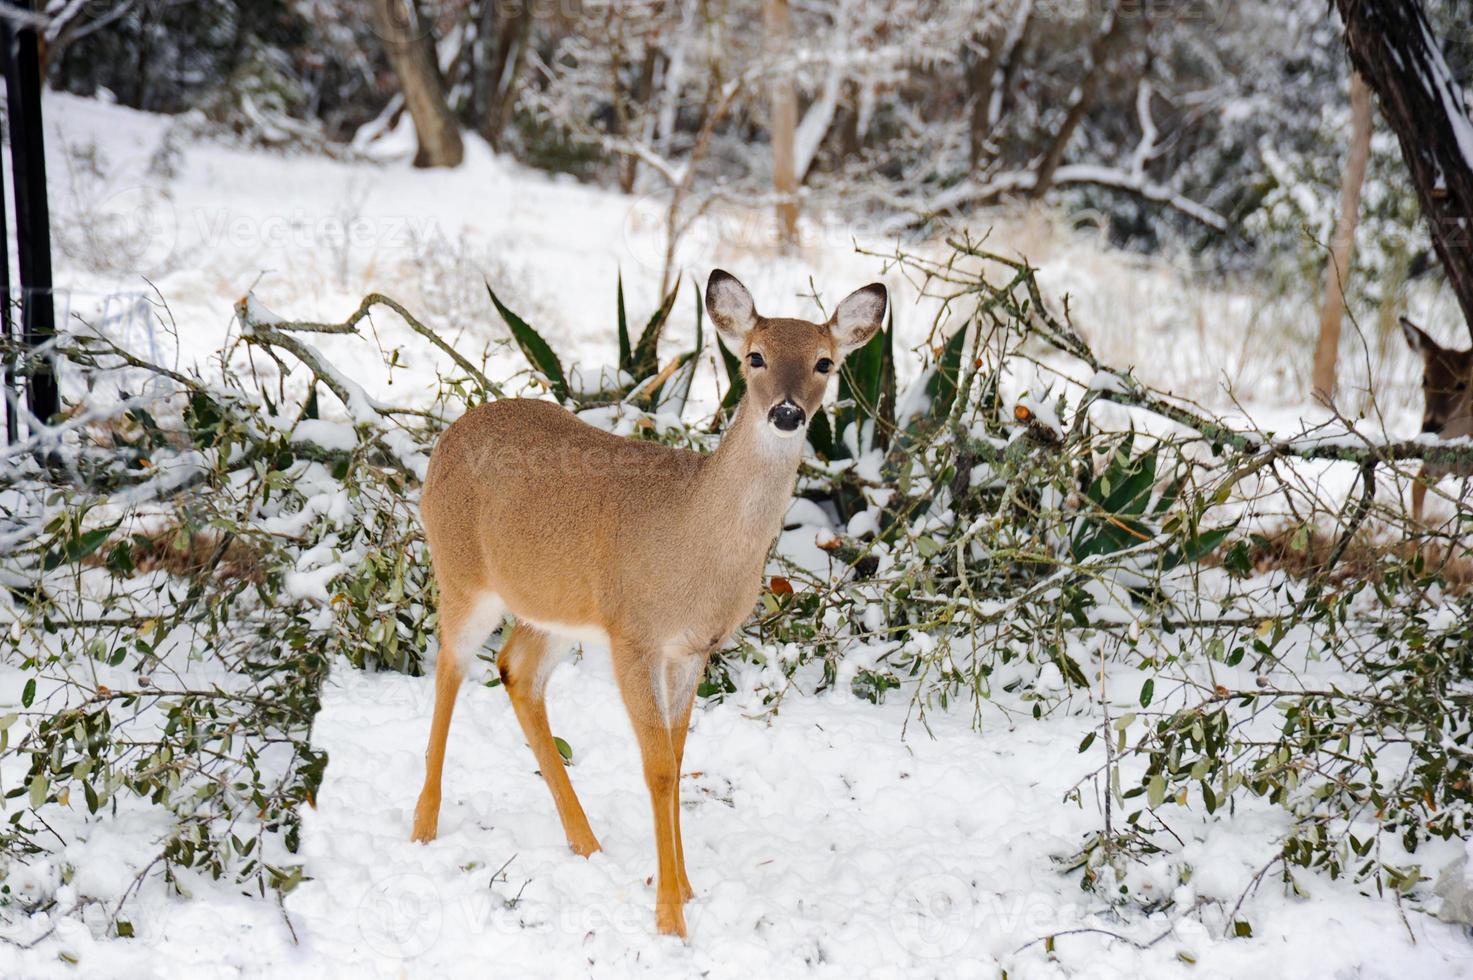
(256, 323)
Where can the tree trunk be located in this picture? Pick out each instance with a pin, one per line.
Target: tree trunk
(1079, 102)
(980, 76)
(784, 120)
(640, 95)
(405, 34)
(503, 28)
(1327, 350)
(1391, 45)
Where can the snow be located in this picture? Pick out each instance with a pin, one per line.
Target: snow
(328, 435)
(830, 838)
(822, 844)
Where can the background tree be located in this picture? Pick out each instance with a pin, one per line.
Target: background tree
(1337, 269)
(503, 31)
(1392, 44)
(409, 41)
(783, 120)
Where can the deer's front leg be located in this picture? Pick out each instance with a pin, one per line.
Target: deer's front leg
(645, 687)
(684, 677)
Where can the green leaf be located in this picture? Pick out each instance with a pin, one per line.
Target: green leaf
(1132, 487)
(28, 694)
(1242, 930)
(1206, 542)
(645, 361)
(1156, 790)
(1069, 667)
(536, 350)
(943, 383)
(203, 416)
(625, 361)
(862, 383)
(563, 749)
(1169, 496)
(736, 384)
(821, 436)
(79, 547)
(1147, 689)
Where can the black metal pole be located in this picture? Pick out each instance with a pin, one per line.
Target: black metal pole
(32, 217)
(8, 389)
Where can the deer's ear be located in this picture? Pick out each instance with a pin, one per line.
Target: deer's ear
(1417, 340)
(856, 319)
(731, 309)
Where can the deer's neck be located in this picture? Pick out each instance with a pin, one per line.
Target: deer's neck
(747, 483)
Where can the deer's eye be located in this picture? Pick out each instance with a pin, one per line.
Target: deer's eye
(756, 360)
(824, 365)
(1461, 386)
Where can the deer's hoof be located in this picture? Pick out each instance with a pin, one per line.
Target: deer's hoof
(670, 920)
(584, 846)
(426, 822)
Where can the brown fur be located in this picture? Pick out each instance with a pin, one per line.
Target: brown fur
(1364, 559)
(529, 510)
(1446, 399)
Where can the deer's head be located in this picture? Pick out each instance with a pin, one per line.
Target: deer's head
(786, 362)
(1445, 377)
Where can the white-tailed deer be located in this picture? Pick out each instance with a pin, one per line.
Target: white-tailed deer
(655, 551)
(1447, 408)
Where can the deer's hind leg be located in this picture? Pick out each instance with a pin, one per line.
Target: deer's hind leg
(524, 663)
(466, 620)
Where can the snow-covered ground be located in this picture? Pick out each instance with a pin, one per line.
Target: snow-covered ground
(820, 843)
(828, 839)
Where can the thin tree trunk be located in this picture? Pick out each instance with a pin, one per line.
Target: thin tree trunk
(404, 35)
(639, 96)
(980, 78)
(1008, 63)
(505, 27)
(1392, 46)
(1327, 350)
(1079, 102)
(784, 120)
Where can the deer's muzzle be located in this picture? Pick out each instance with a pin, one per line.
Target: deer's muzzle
(786, 416)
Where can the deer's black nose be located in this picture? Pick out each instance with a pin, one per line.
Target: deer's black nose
(1431, 425)
(786, 416)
